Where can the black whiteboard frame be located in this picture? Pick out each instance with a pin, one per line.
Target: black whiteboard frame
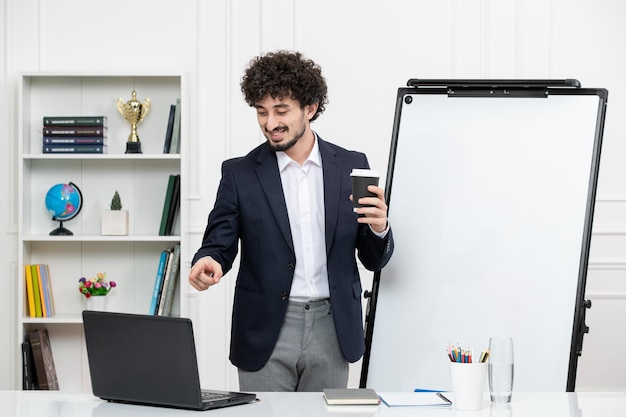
(502, 88)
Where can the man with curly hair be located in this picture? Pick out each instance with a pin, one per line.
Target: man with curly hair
(297, 319)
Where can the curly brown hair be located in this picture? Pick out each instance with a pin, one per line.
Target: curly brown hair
(285, 74)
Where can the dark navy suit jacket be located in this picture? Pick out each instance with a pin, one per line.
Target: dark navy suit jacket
(250, 209)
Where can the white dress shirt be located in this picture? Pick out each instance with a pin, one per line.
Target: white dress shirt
(303, 187)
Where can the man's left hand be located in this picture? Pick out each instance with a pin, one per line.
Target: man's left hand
(376, 214)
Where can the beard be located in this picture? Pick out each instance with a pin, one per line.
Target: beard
(285, 146)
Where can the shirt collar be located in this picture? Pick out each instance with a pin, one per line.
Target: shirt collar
(314, 157)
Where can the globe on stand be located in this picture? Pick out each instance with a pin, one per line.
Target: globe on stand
(64, 202)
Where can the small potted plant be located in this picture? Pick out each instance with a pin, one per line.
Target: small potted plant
(95, 289)
(115, 220)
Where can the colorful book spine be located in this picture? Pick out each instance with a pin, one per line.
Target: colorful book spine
(75, 121)
(71, 131)
(166, 281)
(168, 298)
(158, 282)
(36, 294)
(46, 269)
(46, 287)
(74, 149)
(30, 291)
(73, 140)
(42, 292)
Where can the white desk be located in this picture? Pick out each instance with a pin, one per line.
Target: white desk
(64, 404)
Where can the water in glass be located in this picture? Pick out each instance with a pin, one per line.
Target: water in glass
(500, 382)
(500, 369)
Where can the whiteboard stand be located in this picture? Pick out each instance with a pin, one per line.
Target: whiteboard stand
(491, 188)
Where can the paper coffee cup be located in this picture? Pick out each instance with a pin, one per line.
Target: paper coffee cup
(361, 179)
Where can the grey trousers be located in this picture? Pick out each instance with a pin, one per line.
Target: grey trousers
(306, 357)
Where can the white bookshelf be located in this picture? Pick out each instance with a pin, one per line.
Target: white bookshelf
(140, 179)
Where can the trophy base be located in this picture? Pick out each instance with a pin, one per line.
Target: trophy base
(133, 147)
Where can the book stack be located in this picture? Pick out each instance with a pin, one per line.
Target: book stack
(165, 283)
(39, 290)
(38, 362)
(74, 134)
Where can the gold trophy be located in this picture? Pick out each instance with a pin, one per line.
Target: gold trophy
(134, 112)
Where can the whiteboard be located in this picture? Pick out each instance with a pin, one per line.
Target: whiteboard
(490, 202)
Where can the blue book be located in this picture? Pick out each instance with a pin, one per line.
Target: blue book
(45, 287)
(169, 285)
(158, 283)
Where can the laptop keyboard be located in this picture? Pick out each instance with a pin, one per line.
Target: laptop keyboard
(212, 396)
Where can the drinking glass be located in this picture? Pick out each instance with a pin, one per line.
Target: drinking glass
(500, 369)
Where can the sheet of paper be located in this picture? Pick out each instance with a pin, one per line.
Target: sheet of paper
(393, 399)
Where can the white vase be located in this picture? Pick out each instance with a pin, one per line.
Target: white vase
(96, 303)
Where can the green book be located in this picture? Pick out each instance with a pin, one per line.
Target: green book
(175, 140)
(65, 148)
(36, 291)
(174, 205)
(166, 205)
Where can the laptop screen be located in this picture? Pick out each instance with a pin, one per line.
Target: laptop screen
(144, 359)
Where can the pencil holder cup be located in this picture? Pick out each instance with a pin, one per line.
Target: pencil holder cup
(468, 385)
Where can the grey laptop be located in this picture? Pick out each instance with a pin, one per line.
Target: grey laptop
(149, 360)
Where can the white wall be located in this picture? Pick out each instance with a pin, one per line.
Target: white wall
(367, 49)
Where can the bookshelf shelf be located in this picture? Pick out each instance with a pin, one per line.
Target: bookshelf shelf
(104, 157)
(99, 238)
(57, 319)
(141, 180)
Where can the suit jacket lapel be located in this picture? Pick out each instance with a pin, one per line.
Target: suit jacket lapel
(269, 178)
(332, 188)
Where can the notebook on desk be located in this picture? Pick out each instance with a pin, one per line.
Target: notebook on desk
(149, 360)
